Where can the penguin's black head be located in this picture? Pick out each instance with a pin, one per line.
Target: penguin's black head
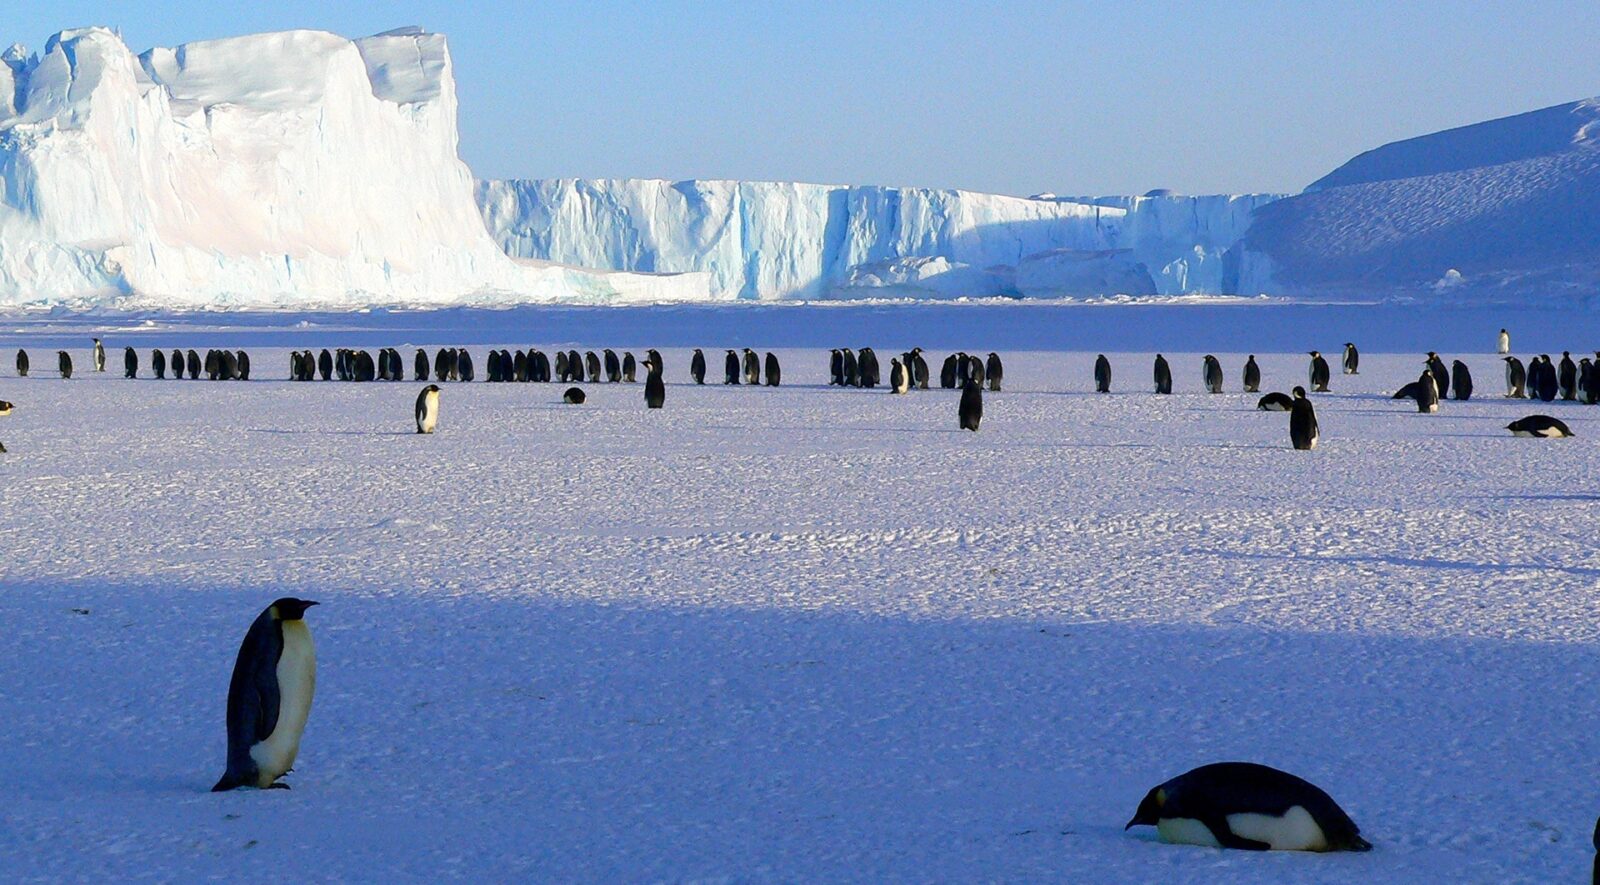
(1299, 393)
(1314, 352)
(1149, 813)
(291, 609)
(431, 388)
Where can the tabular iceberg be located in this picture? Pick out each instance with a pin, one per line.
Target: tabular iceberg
(781, 240)
(276, 169)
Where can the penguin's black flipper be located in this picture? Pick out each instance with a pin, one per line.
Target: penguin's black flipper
(253, 699)
(1218, 825)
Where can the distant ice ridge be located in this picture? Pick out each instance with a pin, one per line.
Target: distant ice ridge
(289, 168)
(780, 240)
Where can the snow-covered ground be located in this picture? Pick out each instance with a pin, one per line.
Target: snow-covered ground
(797, 633)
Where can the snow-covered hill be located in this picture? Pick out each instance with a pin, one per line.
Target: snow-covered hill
(781, 240)
(1498, 210)
(288, 168)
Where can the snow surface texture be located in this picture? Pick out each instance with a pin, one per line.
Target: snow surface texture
(780, 240)
(275, 169)
(1502, 209)
(792, 634)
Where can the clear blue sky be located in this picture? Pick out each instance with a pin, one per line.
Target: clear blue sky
(1012, 97)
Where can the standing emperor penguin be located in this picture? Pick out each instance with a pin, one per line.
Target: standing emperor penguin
(1163, 375)
(158, 364)
(1567, 378)
(1102, 374)
(22, 363)
(774, 371)
(1212, 372)
(835, 367)
(697, 366)
(176, 364)
(1588, 383)
(1516, 378)
(996, 371)
(655, 390)
(193, 360)
(463, 369)
(441, 364)
(971, 409)
(1441, 375)
(1548, 383)
(269, 697)
(1249, 806)
(592, 363)
(1504, 346)
(428, 409)
(1427, 393)
(730, 368)
(867, 372)
(947, 373)
(1318, 373)
(244, 366)
(899, 378)
(752, 367)
(130, 363)
(975, 369)
(99, 356)
(1303, 430)
(630, 367)
(1352, 359)
(64, 363)
(5, 409)
(1252, 375)
(613, 366)
(419, 367)
(1461, 380)
(851, 368)
(919, 371)
(324, 365)
(574, 366)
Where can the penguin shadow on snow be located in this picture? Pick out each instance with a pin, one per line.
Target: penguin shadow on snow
(282, 431)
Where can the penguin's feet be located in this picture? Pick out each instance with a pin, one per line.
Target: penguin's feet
(278, 785)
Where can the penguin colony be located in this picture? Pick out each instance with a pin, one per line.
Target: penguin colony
(1541, 378)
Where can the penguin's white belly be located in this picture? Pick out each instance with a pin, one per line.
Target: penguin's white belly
(1296, 830)
(297, 682)
(430, 415)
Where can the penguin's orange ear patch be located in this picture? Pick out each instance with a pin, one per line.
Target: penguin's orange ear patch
(1161, 797)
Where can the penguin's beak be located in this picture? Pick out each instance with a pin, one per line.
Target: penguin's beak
(310, 603)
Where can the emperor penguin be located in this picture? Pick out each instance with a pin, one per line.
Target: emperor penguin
(1163, 375)
(835, 367)
(1567, 378)
(971, 409)
(1275, 402)
(774, 371)
(230, 365)
(1252, 375)
(324, 366)
(1212, 373)
(213, 365)
(1441, 375)
(1318, 372)
(176, 364)
(947, 373)
(130, 363)
(573, 396)
(1548, 384)
(22, 363)
(730, 368)
(1303, 430)
(428, 409)
(99, 356)
(158, 363)
(1588, 386)
(419, 366)
(1352, 359)
(697, 366)
(919, 373)
(1461, 380)
(1427, 393)
(492, 367)
(975, 369)
(1102, 374)
(463, 369)
(269, 697)
(244, 366)
(752, 367)
(1516, 378)
(899, 378)
(193, 361)
(963, 369)
(64, 363)
(867, 373)
(366, 369)
(995, 370)
(5, 409)
(850, 368)
(574, 366)
(613, 366)
(1505, 342)
(591, 363)
(441, 365)
(630, 367)
(1542, 426)
(1248, 806)
(655, 390)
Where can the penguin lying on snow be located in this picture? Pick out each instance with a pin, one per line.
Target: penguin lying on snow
(573, 395)
(1275, 402)
(1249, 806)
(1542, 426)
(269, 697)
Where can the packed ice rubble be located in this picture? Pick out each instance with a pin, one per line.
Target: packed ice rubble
(1496, 211)
(781, 240)
(287, 168)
